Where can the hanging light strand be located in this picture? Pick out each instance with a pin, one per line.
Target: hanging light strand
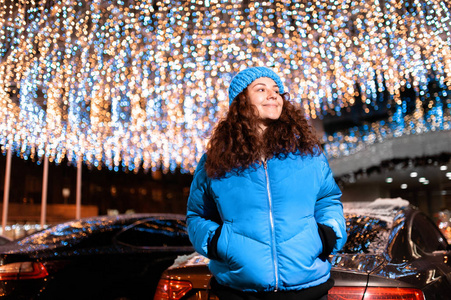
(140, 84)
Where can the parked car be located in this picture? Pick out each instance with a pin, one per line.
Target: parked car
(105, 257)
(4, 240)
(393, 251)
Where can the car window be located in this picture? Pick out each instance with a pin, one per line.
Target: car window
(73, 232)
(365, 235)
(155, 233)
(426, 236)
(4, 240)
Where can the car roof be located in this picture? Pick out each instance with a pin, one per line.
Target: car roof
(72, 232)
(385, 209)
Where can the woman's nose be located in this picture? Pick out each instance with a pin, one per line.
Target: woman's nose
(272, 94)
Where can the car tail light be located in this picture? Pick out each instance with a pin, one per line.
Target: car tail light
(172, 289)
(23, 270)
(373, 293)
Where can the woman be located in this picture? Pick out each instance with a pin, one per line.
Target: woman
(263, 204)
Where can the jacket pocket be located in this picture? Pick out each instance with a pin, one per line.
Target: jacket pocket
(328, 240)
(213, 245)
(223, 241)
(313, 225)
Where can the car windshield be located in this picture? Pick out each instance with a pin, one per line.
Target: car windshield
(154, 233)
(69, 232)
(365, 234)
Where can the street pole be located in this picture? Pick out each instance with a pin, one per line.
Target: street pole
(6, 190)
(45, 177)
(78, 192)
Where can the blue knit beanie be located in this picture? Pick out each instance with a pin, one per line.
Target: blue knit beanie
(247, 76)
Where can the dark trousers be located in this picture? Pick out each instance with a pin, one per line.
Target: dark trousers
(314, 293)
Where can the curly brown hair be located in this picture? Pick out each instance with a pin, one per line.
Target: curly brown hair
(236, 144)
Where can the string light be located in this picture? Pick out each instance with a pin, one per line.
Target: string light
(140, 84)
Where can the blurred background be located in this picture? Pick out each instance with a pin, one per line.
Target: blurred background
(106, 106)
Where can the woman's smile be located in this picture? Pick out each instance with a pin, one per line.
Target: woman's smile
(264, 94)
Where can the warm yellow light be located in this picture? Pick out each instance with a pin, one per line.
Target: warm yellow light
(140, 85)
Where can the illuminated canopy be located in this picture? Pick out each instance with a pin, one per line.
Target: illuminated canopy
(140, 84)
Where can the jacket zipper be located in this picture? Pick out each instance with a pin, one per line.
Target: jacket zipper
(273, 237)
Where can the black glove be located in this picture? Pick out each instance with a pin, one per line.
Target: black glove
(328, 238)
(213, 245)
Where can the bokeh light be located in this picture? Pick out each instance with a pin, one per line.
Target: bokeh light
(140, 84)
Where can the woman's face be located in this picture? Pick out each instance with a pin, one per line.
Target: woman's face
(264, 94)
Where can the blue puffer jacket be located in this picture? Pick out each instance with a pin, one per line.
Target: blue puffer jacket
(269, 238)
